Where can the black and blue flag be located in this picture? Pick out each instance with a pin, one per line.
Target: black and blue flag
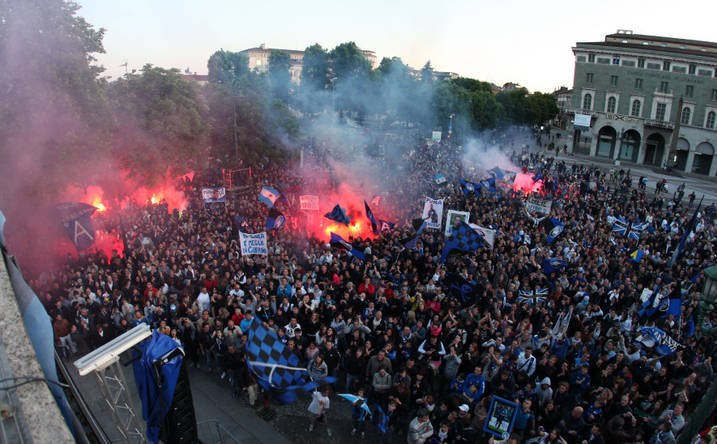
(338, 214)
(551, 265)
(339, 242)
(463, 238)
(369, 215)
(76, 218)
(275, 220)
(276, 366)
(554, 229)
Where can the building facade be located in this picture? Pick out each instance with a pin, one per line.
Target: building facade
(259, 60)
(648, 100)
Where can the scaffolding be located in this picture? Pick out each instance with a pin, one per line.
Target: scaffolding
(104, 363)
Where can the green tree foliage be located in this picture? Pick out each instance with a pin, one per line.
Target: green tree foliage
(162, 120)
(527, 109)
(347, 62)
(315, 68)
(279, 75)
(52, 104)
(228, 68)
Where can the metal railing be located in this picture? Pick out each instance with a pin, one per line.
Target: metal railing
(212, 431)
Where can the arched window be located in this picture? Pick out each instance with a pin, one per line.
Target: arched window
(588, 101)
(611, 102)
(710, 120)
(685, 118)
(636, 105)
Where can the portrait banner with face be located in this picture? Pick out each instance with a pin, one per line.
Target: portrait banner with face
(453, 217)
(433, 213)
(501, 416)
(214, 195)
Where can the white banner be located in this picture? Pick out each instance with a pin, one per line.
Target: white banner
(433, 213)
(452, 218)
(309, 202)
(214, 195)
(436, 136)
(253, 243)
(538, 205)
(487, 233)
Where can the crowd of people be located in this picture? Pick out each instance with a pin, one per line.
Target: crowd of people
(430, 343)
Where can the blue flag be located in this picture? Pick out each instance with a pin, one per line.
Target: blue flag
(532, 297)
(339, 242)
(555, 230)
(489, 184)
(369, 215)
(384, 225)
(439, 178)
(268, 196)
(470, 187)
(463, 238)
(76, 218)
(674, 308)
(497, 172)
(275, 220)
(681, 246)
(552, 265)
(276, 367)
(637, 255)
(664, 344)
(620, 226)
(637, 229)
(339, 215)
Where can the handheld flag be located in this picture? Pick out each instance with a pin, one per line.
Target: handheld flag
(497, 172)
(470, 187)
(384, 225)
(339, 215)
(75, 217)
(489, 184)
(353, 398)
(439, 178)
(275, 220)
(664, 344)
(339, 242)
(533, 297)
(276, 366)
(637, 255)
(636, 230)
(552, 265)
(681, 246)
(369, 215)
(554, 228)
(620, 225)
(268, 196)
(463, 238)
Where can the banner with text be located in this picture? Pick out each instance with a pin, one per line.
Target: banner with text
(536, 205)
(253, 243)
(309, 202)
(214, 195)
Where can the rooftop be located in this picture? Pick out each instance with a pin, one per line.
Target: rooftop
(628, 40)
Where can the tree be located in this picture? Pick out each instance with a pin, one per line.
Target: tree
(162, 120)
(279, 75)
(348, 62)
(427, 73)
(228, 68)
(315, 68)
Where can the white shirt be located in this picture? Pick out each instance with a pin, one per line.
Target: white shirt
(319, 403)
(203, 300)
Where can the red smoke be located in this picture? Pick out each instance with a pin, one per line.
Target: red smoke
(524, 183)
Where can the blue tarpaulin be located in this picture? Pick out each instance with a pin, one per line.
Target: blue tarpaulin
(156, 395)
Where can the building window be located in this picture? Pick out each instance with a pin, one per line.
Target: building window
(636, 105)
(613, 80)
(665, 65)
(663, 87)
(616, 60)
(581, 59)
(685, 118)
(638, 83)
(689, 90)
(652, 65)
(660, 112)
(589, 77)
(591, 58)
(704, 72)
(611, 102)
(710, 124)
(588, 101)
(714, 94)
(641, 62)
(693, 69)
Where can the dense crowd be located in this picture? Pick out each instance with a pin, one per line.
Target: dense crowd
(429, 342)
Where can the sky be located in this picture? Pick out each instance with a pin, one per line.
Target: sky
(521, 41)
